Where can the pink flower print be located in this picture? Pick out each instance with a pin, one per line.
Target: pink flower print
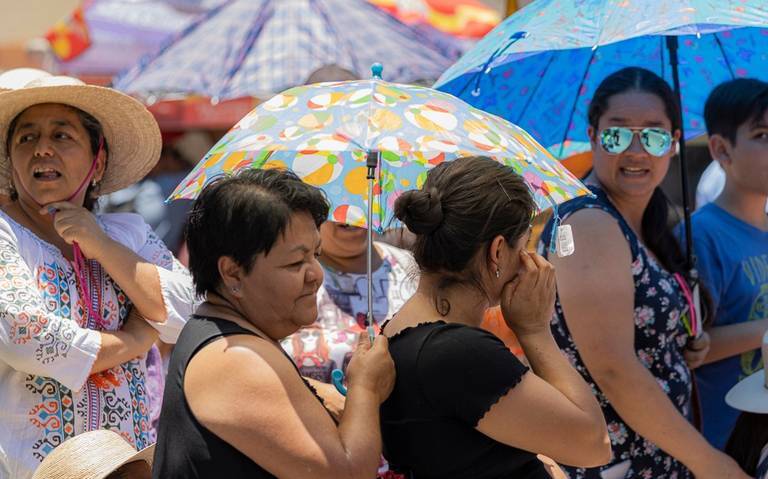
(646, 474)
(649, 448)
(673, 320)
(666, 286)
(637, 266)
(617, 432)
(644, 316)
(651, 292)
(663, 384)
(645, 358)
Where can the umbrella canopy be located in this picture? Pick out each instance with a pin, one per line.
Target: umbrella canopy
(540, 67)
(258, 47)
(121, 32)
(325, 133)
(463, 18)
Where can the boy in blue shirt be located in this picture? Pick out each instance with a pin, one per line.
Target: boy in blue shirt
(731, 243)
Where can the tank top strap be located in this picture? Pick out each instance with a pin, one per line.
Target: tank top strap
(600, 201)
(211, 328)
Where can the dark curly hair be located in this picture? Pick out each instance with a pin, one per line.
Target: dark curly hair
(242, 216)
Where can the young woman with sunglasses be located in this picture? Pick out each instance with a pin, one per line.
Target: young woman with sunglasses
(620, 309)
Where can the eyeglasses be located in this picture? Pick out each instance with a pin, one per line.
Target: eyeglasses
(617, 139)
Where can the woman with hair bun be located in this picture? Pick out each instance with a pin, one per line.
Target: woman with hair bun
(463, 405)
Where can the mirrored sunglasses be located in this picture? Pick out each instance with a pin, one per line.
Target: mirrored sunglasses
(617, 139)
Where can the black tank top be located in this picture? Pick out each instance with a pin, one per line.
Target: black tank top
(185, 448)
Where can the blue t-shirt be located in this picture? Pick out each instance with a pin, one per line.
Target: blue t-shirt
(733, 263)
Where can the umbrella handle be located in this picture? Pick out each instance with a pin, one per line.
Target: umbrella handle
(337, 378)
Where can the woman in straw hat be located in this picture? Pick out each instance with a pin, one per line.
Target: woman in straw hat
(101, 454)
(82, 297)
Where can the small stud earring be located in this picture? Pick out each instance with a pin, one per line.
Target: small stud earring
(498, 273)
(235, 290)
(94, 183)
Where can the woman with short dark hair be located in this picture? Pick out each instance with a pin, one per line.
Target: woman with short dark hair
(235, 404)
(463, 405)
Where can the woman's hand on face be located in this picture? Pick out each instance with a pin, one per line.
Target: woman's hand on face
(372, 367)
(528, 301)
(77, 224)
(696, 350)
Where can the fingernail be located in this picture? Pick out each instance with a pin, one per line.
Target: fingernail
(51, 210)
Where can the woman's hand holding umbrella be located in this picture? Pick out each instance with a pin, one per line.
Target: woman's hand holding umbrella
(371, 368)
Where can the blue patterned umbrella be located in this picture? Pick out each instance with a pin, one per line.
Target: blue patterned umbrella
(540, 67)
(260, 47)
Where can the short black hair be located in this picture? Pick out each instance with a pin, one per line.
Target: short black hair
(734, 103)
(243, 215)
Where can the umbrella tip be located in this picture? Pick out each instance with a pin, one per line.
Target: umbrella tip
(376, 70)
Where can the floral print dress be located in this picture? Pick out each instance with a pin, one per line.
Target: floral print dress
(660, 338)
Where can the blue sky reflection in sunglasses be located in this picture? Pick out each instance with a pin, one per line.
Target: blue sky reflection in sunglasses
(617, 139)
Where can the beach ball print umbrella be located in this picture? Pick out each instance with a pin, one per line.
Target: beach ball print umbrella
(331, 134)
(366, 142)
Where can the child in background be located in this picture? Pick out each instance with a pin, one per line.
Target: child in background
(748, 443)
(730, 237)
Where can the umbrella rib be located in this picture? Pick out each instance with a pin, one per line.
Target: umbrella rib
(575, 102)
(536, 88)
(265, 13)
(350, 51)
(145, 61)
(725, 57)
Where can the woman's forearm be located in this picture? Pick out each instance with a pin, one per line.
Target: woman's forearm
(359, 430)
(550, 364)
(117, 347)
(137, 277)
(637, 397)
(735, 339)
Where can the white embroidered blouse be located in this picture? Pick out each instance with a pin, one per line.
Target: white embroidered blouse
(48, 343)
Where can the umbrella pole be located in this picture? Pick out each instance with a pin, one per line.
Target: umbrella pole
(371, 162)
(690, 260)
(672, 45)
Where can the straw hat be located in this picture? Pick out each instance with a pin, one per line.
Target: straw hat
(132, 134)
(751, 394)
(91, 455)
(19, 77)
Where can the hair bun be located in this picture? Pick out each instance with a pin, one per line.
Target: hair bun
(420, 210)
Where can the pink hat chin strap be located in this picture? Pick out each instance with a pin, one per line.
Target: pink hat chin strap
(90, 173)
(79, 260)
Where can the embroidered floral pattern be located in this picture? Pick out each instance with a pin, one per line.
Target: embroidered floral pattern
(49, 344)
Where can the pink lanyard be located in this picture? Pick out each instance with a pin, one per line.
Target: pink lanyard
(82, 278)
(693, 327)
